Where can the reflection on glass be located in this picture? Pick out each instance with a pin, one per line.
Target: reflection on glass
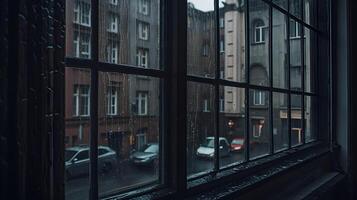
(280, 121)
(78, 29)
(296, 120)
(259, 131)
(295, 8)
(310, 119)
(310, 59)
(232, 125)
(128, 131)
(129, 32)
(280, 63)
(200, 127)
(201, 42)
(77, 131)
(232, 44)
(259, 41)
(310, 12)
(295, 56)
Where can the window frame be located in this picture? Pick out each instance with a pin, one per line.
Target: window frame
(176, 60)
(259, 29)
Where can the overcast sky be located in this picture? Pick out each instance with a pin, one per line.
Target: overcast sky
(204, 5)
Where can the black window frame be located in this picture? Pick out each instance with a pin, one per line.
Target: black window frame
(175, 78)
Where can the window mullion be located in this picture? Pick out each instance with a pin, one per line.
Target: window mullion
(247, 90)
(217, 54)
(271, 78)
(289, 77)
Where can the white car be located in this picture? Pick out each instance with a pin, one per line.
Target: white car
(206, 150)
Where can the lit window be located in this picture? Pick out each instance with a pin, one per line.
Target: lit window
(112, 100)
(259, 34)
(81, 100)
(142, 57)
(144, 7)
(143, 30)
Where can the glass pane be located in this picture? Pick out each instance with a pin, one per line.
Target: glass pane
(310, 118)
(296, 120)
(129, 131)
(295, 8)
(201, 42)
(129, 33)
(259, 122)
(280, 62)
(281, 3)
(295, 56)
(200, 127)
(280, 121)
(232, 124)
(78, 29)
(259, 43)
(232, 60)
(77, 131)
(310, 12)
(310, 59)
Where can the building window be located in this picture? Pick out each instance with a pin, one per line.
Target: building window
(142, 103)
(221, 105)
(259, 98)
(221, 46)
(221, 22)
(113, 23)
(141, 140)
(142, 57)
(257, 130)
(81, 43)
(112, 52)
(81, 100)
(205, 50)
(295, 29)
(144, 7)
(259, 34)
(82, 13)
(112, 100)
(143, 30)
(206, 106)
(113, 2)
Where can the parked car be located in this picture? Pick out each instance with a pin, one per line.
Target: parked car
(77, 160)
(238, 144)
(147, 156)
(206, 150)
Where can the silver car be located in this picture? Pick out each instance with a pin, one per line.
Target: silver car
(206, 150)
(148, 156)
(77, 160)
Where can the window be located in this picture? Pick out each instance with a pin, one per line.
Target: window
(259, 34)
(143, 30)
(113, 2)
(221, 22)
(221, 105)
(144, 7)
(205, 50)
(112, 52)
(81, 100)
(295, 29)
(206, 106)
(221, 46)
(81, 44)
(113, 23)
(142, 57)
(259, 98)
(142, 103)
(112, 100)
(257, 130)
(82, 13)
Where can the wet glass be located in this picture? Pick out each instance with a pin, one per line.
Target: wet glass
(201, 128)
(310, 59)
(78, 29)
(310, 118)
(259, 122)
(280, 121)
(310, 12)
(279, 53)
(295, 8)
(296, 120)
(232, 125)
(201, 38)
(281, 3)
(128, 131)
(233, 39)
(77, 132)
(295, 56)
(259, 43)
(129, 33)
